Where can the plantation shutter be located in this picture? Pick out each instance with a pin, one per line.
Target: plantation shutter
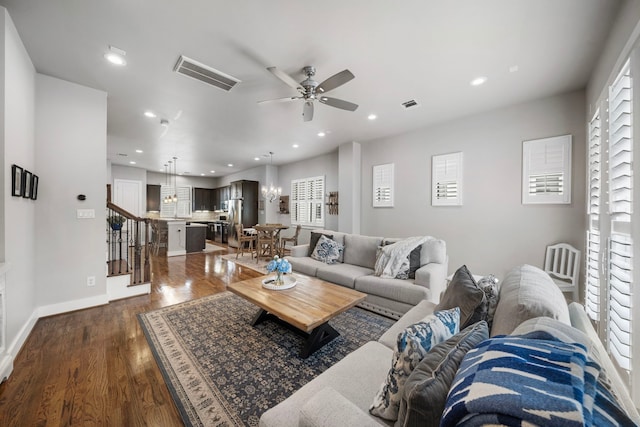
(592, 273)
(307, 202)
(383, 186)
(446, 180)
(620, 275)
(547, 170)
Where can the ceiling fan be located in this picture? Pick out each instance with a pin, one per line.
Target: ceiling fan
(310, 90)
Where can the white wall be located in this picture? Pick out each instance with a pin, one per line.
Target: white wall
(326, 165)
(18, 143)
(70, 156)
(492, 232)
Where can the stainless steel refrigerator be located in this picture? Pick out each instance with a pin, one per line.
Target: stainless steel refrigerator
(243, 208)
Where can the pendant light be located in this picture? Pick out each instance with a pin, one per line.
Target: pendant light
(272, 192)
(175, 179)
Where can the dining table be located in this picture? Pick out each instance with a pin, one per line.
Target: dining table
(273, 233)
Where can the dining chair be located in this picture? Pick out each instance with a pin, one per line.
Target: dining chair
(562, 264)
(266, 242)
(242, 239)
(158, 238)
(293, 239)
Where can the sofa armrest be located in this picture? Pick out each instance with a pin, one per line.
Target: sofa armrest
(434, 277)
(328, 408)
(300, 250)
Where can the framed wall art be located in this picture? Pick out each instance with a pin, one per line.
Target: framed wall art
(16, 180)
(26, 184)
(34, 187)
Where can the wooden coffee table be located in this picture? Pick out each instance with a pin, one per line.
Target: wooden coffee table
(307, 307)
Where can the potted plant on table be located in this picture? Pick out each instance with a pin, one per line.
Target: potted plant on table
(280, 266)
(115, 221)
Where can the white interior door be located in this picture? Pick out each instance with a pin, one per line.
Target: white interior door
(128, 195)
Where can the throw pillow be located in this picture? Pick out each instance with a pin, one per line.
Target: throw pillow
(463, 292)
(411, 347)
(488, 307)
(327, 250)
(426, 389)
(313, 241)
(414, 261)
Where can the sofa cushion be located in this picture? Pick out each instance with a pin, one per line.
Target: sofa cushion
(328, 408)
(361, 250)
(396, 289)
(433, 250)
(313, 240)
(463, 292)
(305, 265)
(412, 346)
(527, 292)
(327, 250)
(426, 389)
(356, 377)
(342, 274)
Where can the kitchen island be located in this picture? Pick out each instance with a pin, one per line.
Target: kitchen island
(182, 236)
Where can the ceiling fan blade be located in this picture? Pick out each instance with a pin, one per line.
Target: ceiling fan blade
(285, 99)
(307, 111)
(339, 103)
(286, 78)
(334, 81)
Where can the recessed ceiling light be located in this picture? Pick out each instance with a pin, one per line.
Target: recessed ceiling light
(230, 165)
(256, 158)
(372, 117)
(116, 56)
(295, 146)
(202, 174)
(150, 114)
(139, 151)
(478, 81)
(132, 162)
(212, 171)
(321, 134)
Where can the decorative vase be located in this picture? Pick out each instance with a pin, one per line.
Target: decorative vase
(279, 279)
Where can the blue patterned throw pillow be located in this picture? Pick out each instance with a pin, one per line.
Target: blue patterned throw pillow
(327, 250)
(412, 346)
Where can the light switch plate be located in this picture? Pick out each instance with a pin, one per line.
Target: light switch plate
(85, 213)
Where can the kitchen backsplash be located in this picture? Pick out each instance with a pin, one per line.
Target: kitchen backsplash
(195, 216)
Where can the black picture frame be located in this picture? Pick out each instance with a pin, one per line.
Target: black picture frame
(34, 187)
(16, 180)
(26, 184)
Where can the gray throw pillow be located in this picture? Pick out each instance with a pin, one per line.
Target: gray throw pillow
(313, 241)
(463, 292)
(426, 389)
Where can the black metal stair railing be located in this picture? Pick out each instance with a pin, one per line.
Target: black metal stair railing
(127, 245)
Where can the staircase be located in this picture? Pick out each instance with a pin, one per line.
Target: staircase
(128, 241)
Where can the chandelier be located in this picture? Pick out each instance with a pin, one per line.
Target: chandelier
(272, 192)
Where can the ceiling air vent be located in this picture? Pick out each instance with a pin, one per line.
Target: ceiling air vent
(194, 69)
(410, 103)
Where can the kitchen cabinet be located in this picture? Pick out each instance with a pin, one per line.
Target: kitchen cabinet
(221, 198)
(203, 199)
(176, 235)
(195, 240)
(153, 198)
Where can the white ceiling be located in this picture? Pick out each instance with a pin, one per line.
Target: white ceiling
(425, 50)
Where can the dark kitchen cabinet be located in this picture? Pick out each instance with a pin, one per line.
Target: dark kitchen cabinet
(221, 198)
(195, 240)
(153, 198)
(203, 199)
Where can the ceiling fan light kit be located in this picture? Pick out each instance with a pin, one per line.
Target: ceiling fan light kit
(310, 90)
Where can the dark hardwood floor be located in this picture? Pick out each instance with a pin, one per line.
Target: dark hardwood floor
(93, 367)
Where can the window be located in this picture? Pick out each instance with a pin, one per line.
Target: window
(307, 201)
(383, 186)
(446, 180)
(546, 170)
(620, 266)
(592, 266)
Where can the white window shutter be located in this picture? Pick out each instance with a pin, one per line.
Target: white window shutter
(446, 179)
(546, 170)
(592, 254)
(383, 186)
(307, 201)
(620, 307)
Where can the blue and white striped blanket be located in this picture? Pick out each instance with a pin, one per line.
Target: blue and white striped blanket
(531, 379)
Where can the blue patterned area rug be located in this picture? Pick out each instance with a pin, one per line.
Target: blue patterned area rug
(223, 372)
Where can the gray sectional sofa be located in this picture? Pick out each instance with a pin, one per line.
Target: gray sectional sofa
(390, 297)
(528, 301)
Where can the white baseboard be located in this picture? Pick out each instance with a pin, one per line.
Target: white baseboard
(6, 360)
(177, 253)
(67, 306)
(118, 288)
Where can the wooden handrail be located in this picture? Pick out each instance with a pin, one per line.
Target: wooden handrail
(125, 213)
